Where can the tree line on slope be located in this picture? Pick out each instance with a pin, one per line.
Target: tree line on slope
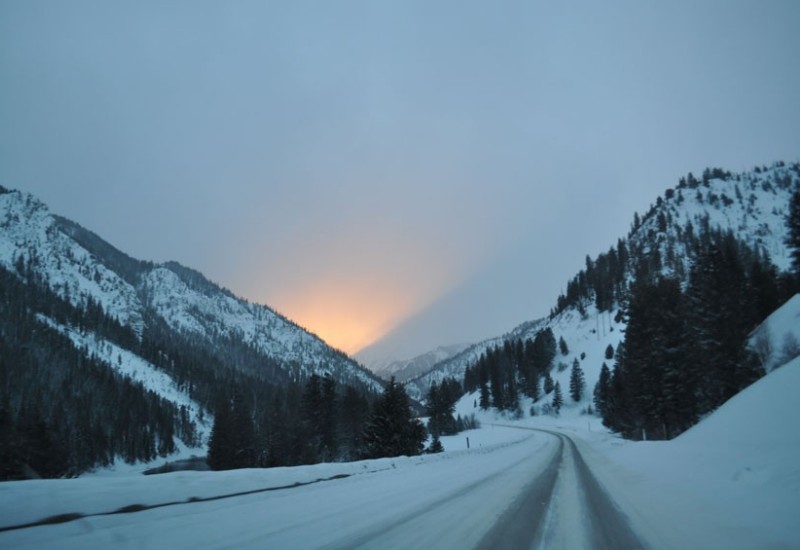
(686, 345)
(318, 424)
(63, 410)
(325, 423)
(666, 246)
(522, 367)
(686, 351)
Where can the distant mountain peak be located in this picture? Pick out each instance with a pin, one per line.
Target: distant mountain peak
(405, 369)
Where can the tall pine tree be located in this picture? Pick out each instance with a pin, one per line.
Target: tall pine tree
(601, 390)
(392, 429)
(720, 317)
(577, 382)
(793, 223)
(558, 399)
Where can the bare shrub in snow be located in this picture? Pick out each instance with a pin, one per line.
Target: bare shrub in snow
(763, 347)
(790, 348)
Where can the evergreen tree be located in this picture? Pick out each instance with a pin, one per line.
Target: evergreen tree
(232, 443)
(764, 287)
(537, 359)
(243, 452)
(497, 379)
(562, 344)
(601, 390)
(10, 467)
(392, 430)
(548, 383)
(617, 415)
(328, 425)
(485, 398)
(436, 446)
(221, 443)
(441, 402)
(610, 352)
(354, 412)
(558, 400)
(577, 382)
(793, 223)
(312, 416)
(720, 317)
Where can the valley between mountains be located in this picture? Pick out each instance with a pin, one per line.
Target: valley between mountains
(728, 483)
(651, 408)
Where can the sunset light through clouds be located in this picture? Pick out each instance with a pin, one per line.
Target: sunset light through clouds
(419, 173)
(347, 315)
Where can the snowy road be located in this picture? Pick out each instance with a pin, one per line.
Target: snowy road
(534, 492)
(731, 482)
(564, 507)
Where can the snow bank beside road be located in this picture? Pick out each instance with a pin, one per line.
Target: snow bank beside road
(732, 481)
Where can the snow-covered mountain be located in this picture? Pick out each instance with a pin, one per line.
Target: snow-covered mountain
(406, 369)
(753, 205)
(78, 264)
(172, 302)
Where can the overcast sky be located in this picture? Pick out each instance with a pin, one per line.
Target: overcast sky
(435, 171)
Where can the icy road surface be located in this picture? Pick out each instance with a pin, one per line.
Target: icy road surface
(533, 492)
(563, 507)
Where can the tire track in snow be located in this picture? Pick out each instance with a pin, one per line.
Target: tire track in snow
(134, 508)
(386, 534)
(565, 507)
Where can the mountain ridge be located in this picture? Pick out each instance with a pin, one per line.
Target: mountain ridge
(404, 369)
(79, 313)
(751, 204)
(126, 287)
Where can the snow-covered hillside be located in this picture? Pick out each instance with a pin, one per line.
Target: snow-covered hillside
(29, 233)
(753, 205)
(78, 265)
(138, 370)
(163, 329)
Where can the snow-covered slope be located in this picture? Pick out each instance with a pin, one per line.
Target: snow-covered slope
(30, 233)
(78, 265)
(406, 369)
(138, 370)
(455, 366)
(587, 337)
(212, 313)
(753, 205)
(732, 481)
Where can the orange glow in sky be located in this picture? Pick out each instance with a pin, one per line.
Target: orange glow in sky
(348, 315)
(350, 285)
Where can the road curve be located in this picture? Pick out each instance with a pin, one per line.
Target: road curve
(564, 507)
(535, 492)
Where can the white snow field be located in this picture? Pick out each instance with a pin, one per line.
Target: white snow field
(733, 481)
